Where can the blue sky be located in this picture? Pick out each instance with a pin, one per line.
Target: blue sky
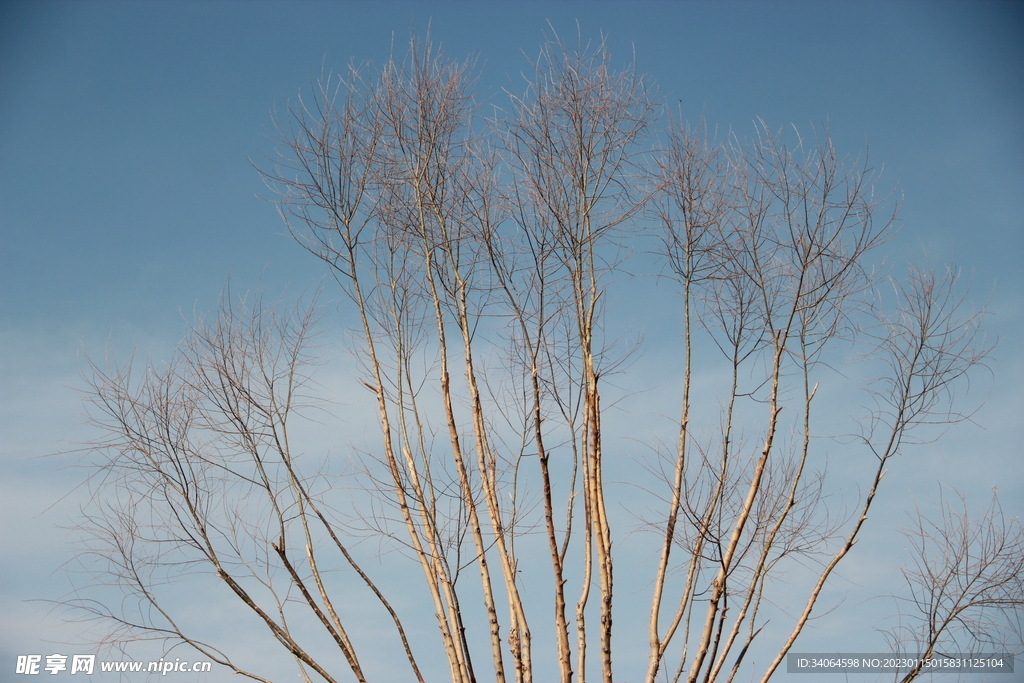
(127, 194)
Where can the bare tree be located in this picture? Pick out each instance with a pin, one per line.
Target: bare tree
(966, 585)
(194, 449)
(478, 257)
(770, 248)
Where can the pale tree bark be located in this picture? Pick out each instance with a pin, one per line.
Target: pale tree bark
(573, 143)
(478, 259)
(770, 248)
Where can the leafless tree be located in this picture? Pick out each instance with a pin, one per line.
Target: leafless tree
(966, 585)
(769, 246)
(478, 257)
(200, 477)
